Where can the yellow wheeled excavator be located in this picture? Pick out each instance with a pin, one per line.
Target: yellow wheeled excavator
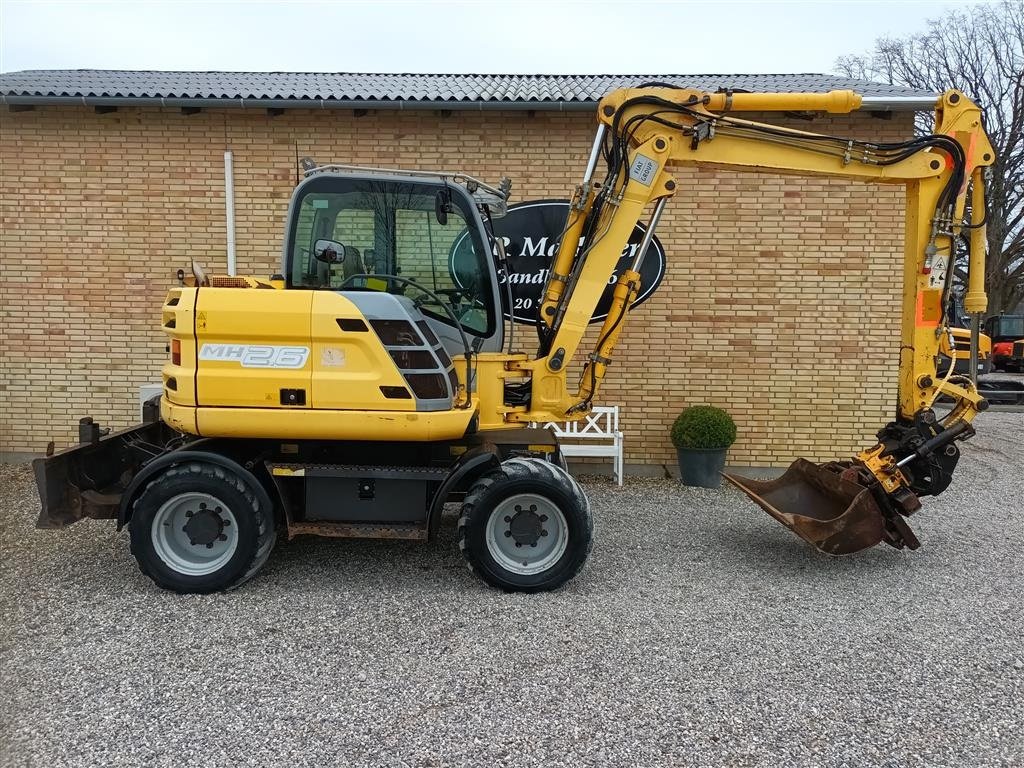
(369, 383)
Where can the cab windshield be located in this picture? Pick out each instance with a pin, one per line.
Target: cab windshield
(1008, 327)
(390, 228)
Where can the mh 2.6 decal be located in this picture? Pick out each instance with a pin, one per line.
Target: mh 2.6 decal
(256, 355)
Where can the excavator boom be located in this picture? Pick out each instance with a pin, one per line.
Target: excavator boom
(840, 507)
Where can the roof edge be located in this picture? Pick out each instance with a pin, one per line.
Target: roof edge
(872, 103)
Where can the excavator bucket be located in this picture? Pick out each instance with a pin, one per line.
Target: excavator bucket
(821, 505)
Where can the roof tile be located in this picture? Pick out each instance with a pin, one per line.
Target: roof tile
(343, 86)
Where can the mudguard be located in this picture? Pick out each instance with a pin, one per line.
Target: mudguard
(180, 457)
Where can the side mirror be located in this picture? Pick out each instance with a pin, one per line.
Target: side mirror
(329, 252)
(442, 206)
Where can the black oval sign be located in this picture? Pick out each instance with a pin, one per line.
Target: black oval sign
(530, 232)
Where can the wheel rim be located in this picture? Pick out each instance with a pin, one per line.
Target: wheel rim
(527, 534)
(195, 534)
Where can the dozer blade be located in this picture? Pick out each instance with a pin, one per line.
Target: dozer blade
(821, 506)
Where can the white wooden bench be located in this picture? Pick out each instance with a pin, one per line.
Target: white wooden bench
(596, 435)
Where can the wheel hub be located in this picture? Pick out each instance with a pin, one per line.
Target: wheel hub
(526, 526)
(204, 526)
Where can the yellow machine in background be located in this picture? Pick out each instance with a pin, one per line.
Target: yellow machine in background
(959, 349)
(370, 382)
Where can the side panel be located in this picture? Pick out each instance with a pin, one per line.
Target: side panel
(251, 345)
(349, 362)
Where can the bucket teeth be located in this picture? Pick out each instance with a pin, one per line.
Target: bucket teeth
(825, 507)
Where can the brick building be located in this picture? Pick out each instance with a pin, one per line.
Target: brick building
(780, 301)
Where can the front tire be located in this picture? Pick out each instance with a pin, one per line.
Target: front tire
(526, 526)
(199, 528)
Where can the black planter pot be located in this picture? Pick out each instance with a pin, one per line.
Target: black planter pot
(701, 467)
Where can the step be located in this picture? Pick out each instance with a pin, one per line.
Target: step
(358, 530)
(430, 474)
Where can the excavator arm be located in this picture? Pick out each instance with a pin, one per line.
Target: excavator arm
(843, 506)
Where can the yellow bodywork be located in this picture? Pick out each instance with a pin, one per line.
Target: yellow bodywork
(957, 345)
(342, 373)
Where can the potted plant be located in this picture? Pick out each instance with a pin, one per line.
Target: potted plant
(702, 435)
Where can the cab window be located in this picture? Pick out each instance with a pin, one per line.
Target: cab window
(391, 228)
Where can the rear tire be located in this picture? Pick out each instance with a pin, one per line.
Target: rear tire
(526, 526)
(199, 528)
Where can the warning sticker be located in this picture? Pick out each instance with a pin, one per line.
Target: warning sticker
(937, 279)
(332, 357)
(643, 169)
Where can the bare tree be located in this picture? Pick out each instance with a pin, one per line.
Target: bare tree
(980, 51)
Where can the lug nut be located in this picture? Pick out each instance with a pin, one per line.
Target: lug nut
(222, 537)
(543, 518)
(508, 519)
(188, 513)
(543, 533)
(507, 534)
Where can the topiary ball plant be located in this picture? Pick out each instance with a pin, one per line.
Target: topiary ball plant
(703, 428)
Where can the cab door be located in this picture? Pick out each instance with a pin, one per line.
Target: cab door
(253, 348)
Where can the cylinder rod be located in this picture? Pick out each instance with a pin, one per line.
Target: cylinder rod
(595, 153)
(641, 252)
(976, 301)
(975, 341)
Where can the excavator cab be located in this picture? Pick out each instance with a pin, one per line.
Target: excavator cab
(355, 231)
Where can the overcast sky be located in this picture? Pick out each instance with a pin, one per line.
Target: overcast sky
(515, 36)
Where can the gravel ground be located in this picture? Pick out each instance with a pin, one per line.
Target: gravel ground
(701, 633)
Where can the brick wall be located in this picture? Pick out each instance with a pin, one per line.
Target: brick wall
(780, 302)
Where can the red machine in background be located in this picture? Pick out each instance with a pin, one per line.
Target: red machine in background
(1007, 334)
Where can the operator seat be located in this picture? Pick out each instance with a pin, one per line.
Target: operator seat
(352, 265)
